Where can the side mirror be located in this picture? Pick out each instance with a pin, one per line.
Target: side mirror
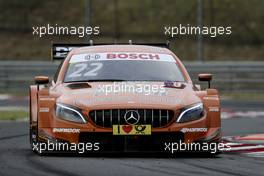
(41, 80)
(206, 77)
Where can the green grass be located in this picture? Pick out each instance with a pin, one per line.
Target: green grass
(13, 115)
(244, 96)
(17, 94)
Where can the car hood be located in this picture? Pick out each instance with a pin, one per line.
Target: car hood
(105, 95)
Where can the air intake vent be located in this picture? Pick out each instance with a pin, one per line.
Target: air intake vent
(78, 85)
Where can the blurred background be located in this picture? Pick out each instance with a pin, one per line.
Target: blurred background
(139, 20)
(235, 60)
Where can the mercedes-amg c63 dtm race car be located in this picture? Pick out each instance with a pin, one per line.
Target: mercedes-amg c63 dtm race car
(121, 98)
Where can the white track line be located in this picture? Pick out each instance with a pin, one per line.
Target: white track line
(239, 114)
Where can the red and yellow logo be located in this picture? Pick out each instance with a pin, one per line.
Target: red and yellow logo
(131, 129)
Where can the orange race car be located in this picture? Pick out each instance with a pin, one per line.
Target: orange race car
(125, 97)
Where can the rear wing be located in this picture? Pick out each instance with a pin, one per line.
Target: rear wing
(60, 51)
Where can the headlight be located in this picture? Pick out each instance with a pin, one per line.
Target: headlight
(69, 113)
(194, 112)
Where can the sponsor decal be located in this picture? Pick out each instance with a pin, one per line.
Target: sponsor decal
(121, 56)
(211, 98)
(92, 57)
(43, 109)
(66, 130)
(213, 109)
(61, 52)
(133, 56)
(46, 99)
(131, 129)
(193, 130)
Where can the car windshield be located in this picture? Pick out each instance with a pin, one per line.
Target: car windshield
(98, 67)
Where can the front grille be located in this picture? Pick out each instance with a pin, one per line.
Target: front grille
(107, 117)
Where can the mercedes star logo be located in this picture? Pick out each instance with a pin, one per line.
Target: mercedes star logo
(131, 117)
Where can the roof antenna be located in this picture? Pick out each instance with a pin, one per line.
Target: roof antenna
(168, 44)
(130, 42)
(91, 42)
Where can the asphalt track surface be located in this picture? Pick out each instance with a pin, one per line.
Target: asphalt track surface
(16, 157)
